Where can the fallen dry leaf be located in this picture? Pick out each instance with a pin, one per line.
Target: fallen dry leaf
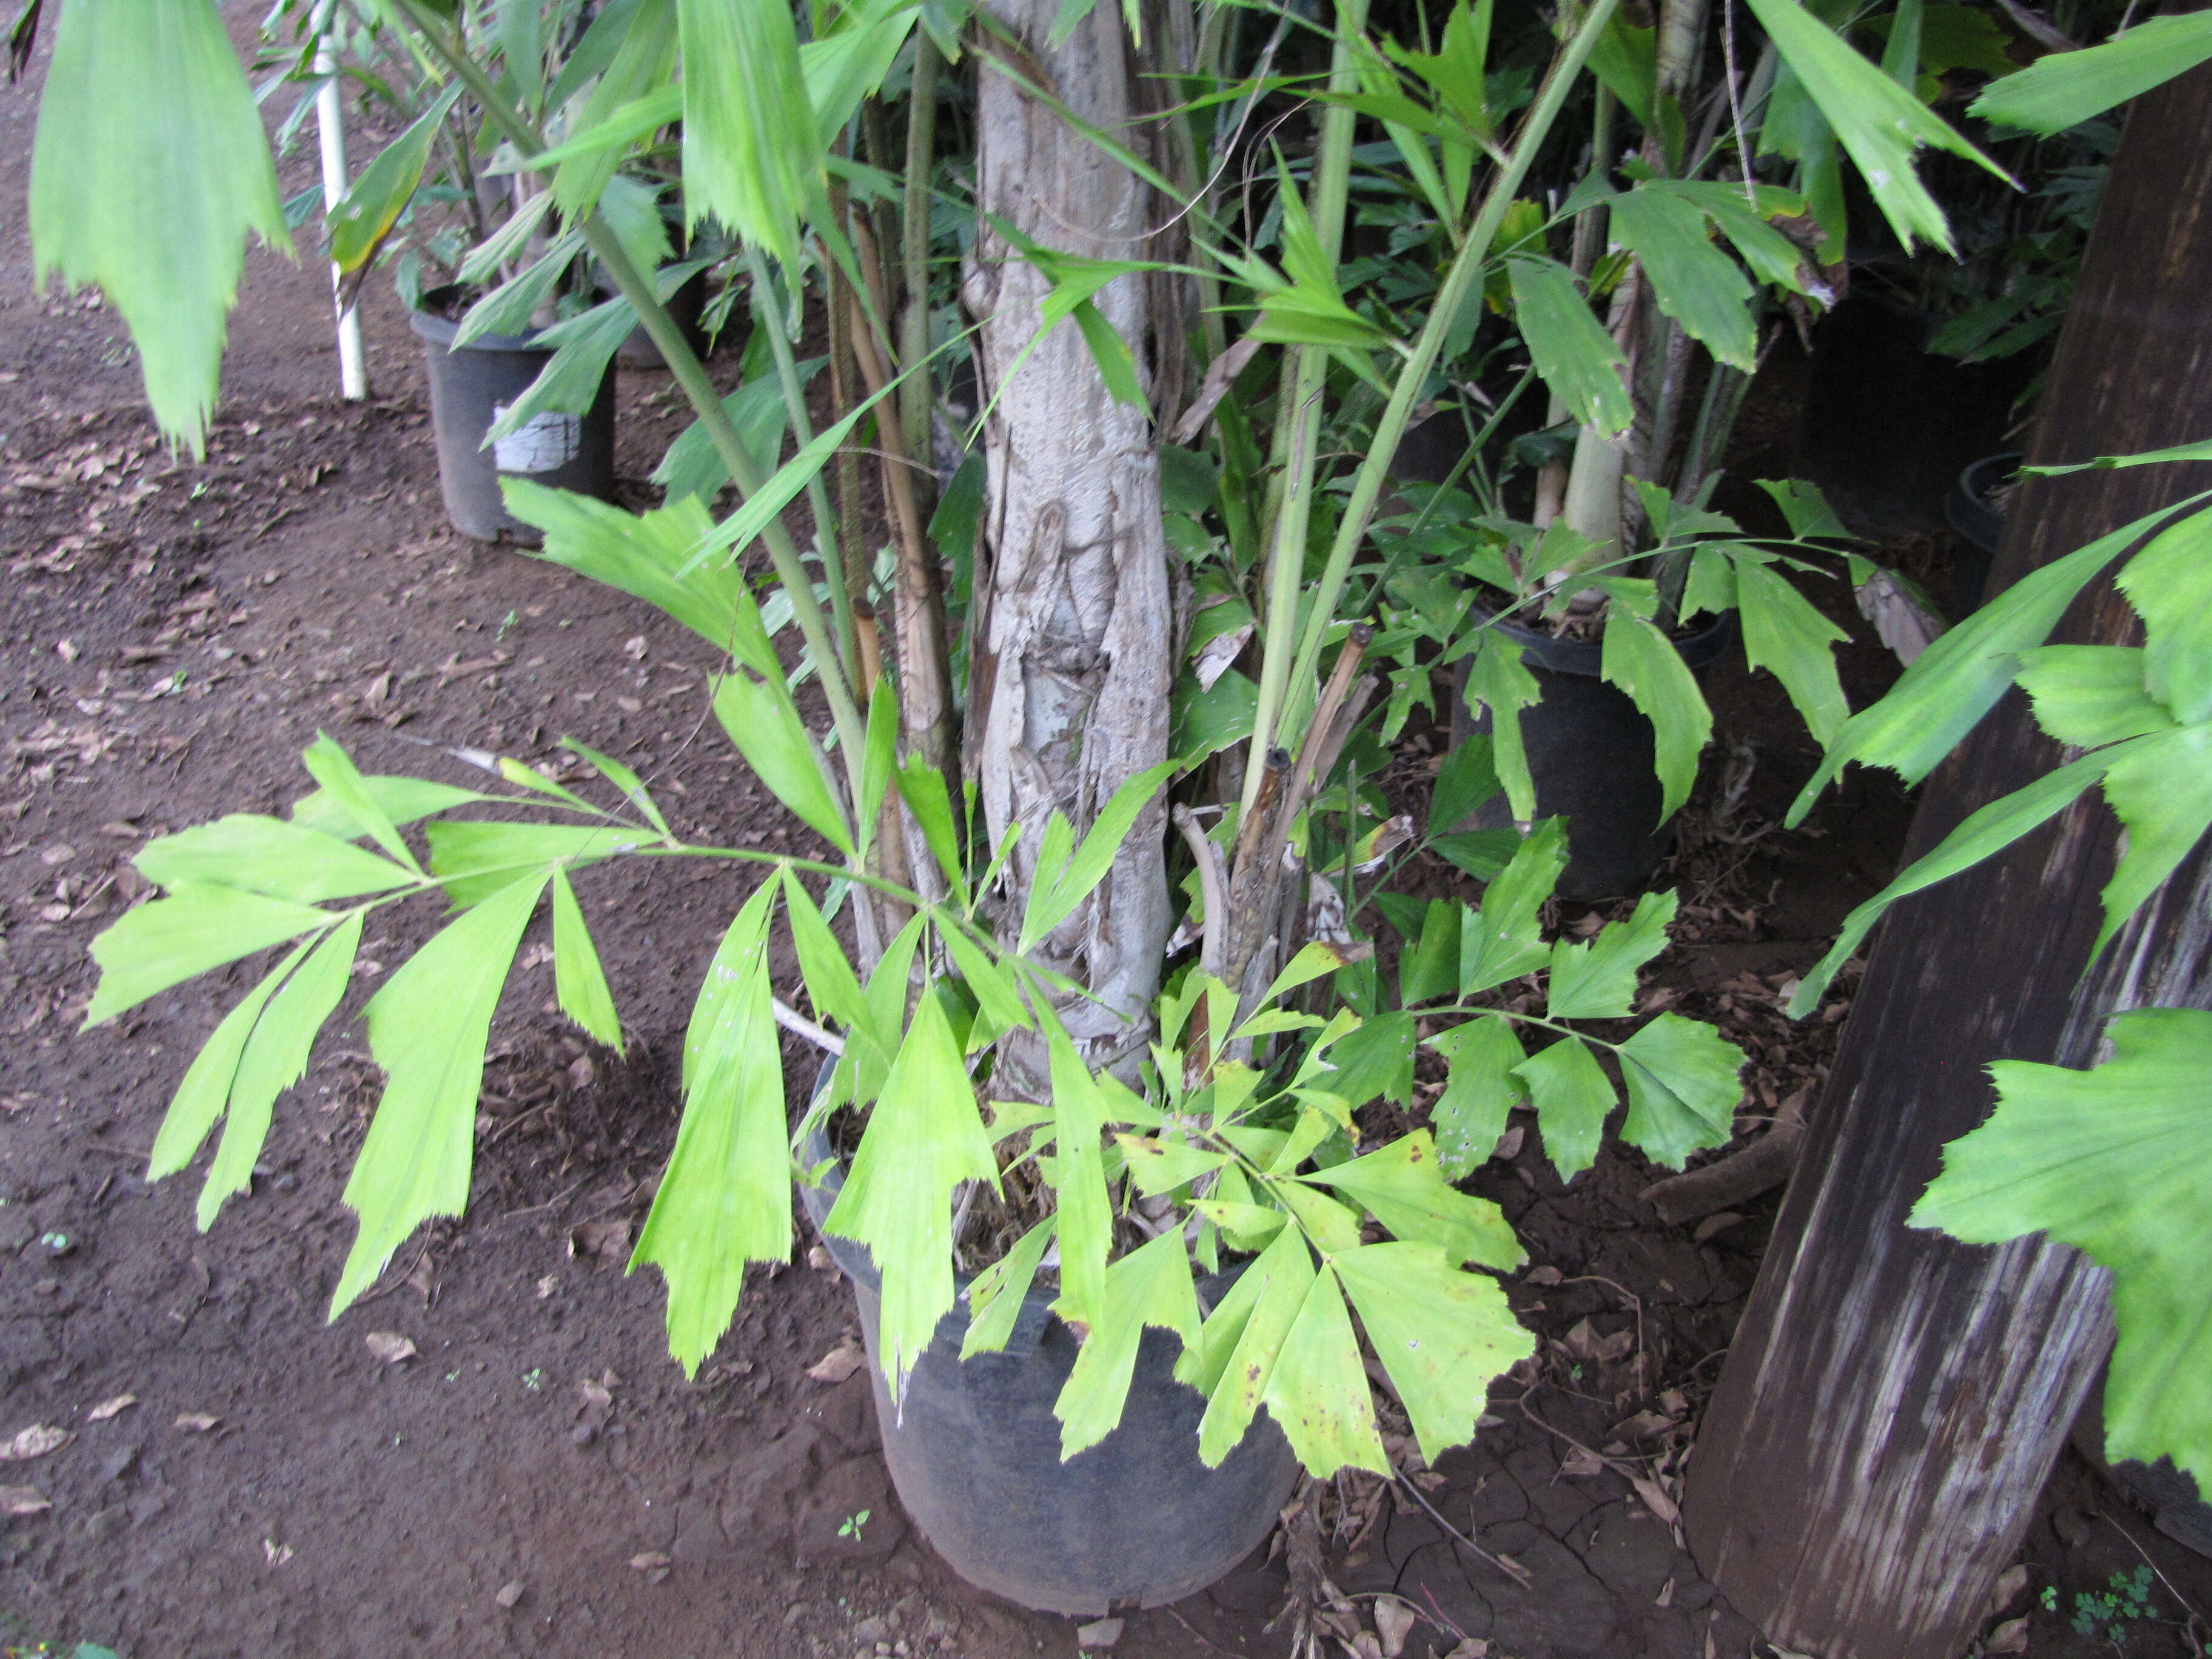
(107, 1409)
(1509, 1147)
(34, 1442)
(1586, 1344)
(1474, 1647)
(23, 1500)
(604, 1241)
(389, 1347)
(1656, 1498)
(509, 1593)
(1582, 1463)
(1643, 1425)
(1219, 652)
(2010, 1637)
(1394, 1622)
(1546, 1275)
(840, 1362)
(196, 1422)
(1219, 377)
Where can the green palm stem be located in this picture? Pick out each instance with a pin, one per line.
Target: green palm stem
(858, 574)
(1716, 412)
(1589, 243)
(827, 528)
(913, 241)
(1662, 367)
(691, 374)
(1465, 273)
(1297, 422)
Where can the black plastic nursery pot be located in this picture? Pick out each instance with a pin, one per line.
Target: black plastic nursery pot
(471, 388)
(1591, 757)
(687, 306)
(1136, 1521)
(1978, 522)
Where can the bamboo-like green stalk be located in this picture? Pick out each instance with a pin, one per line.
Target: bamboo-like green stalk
(1716, 412)
(827, 530)
(857, 574)
(689, 374)
(1279, 446)
(1662, 366)
(1290, 507)
(914, 242)
(1466, 272)
(1590, 222)
(1589, 242)
(1213, 37)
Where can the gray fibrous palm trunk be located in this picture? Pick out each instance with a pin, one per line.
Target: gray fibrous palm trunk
(1073, 651)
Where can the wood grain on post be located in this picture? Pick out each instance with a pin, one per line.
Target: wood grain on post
(1894, 1400)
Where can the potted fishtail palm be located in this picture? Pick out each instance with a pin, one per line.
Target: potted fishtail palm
(1124, 1237)
(517, 338)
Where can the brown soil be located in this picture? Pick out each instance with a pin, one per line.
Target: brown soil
(538, 1476)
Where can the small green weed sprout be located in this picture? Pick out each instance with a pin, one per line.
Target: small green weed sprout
(2111, 1612)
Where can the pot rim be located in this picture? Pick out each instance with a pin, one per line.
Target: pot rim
(1974, 475)
(1966, 506)
(1586, 658)
(440, 331)
(858, 1263)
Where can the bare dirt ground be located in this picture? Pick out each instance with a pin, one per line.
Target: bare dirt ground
(536, 1476)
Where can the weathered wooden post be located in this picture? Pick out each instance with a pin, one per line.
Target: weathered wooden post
(1894, 1400)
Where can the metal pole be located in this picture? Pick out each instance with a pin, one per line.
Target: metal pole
(329, 125)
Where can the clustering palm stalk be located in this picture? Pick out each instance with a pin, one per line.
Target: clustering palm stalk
(1041, 1087)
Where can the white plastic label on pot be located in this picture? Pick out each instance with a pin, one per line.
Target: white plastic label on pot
(539, 444)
